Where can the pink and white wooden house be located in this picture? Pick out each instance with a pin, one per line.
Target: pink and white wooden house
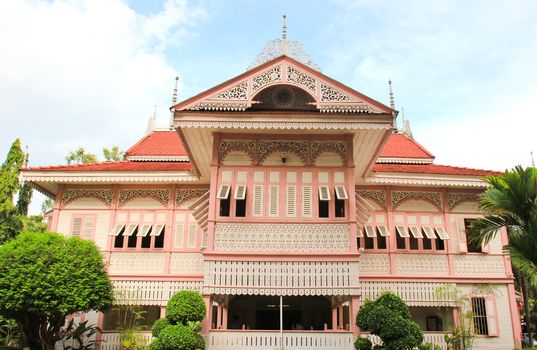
(283, 182)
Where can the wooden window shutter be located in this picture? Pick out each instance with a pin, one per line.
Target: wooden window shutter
(240, 192)
(492, 316)
(324, 193)
(191, 239)
(178, 241)
(306, 201)
(416, 232)
(291, 201)
(89, 227)
(223, 193)
(341, 193)
(76, 226)
(257, 202)
(274, 200)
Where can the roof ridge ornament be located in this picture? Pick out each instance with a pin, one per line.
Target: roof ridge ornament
(284, 36)
(174, 101)
(392, 100)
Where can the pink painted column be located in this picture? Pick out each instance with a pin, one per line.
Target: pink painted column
(168, 243)
(162, 311)
(515, 316)
(224, 316)
(219, 317)
(207, 321)
(340, 318)
(334, 317)
(353, 311)
(56, 209)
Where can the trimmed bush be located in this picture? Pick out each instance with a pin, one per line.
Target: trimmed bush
(390, 319)
(185, 306)
(363, 344)
(177, 337)
(159, 326)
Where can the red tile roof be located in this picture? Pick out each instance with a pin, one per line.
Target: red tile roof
(118, 166)
(158, 143)
(401, 146)
(431, 169)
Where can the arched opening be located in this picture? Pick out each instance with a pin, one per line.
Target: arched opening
(283, 97)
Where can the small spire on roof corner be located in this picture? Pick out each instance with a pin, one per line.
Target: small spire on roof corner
(406, 128)
(284, 36)
(392, 100)
(174, 101)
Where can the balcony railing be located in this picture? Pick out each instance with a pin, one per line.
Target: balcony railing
(112, 340)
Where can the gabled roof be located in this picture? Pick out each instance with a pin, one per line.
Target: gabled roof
(158, 145)
(400, 148)
(117, 166)
(432, 169)
(236, 94)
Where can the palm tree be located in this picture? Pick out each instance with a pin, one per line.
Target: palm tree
(511, 203)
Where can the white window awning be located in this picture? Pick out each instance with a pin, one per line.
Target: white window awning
(116, 230)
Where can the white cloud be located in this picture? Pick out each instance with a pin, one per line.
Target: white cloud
(85, 72)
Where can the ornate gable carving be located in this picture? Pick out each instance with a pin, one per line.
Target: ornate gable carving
(455, 199)
(339, 147)
(104, 196)
(432, 197)
(378, 196)
(329, 96)
(163, 196)
(300, 148)
(182, 195)
(227, 146)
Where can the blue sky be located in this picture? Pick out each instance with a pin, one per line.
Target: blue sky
(89, 72)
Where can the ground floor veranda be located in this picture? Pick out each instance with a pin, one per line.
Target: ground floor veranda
(236, 322)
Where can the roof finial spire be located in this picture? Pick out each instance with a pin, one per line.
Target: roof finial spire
(174, 101)
(392, 100)
(284, 36)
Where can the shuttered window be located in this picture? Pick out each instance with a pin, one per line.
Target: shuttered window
(76, 226)
(89, 227)
(130, 229)
(157, 230)
(257, 202)
(274, 200)
(291, 201)
(240, 192)
(306, 201)
(324, 193)
(116, 229)
(179, 233)
(441, 233)
(144, 230)
(341, 193)
(191, 239)
(402, 231)
(370, 231)
(429, 233)
(383, 230)
(416, 232)
(223, 193)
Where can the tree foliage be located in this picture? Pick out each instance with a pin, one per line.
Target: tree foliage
(46, 205)
(180, 329)
(45, 277)
(25, 196)
(389, 317)
(113, 154)
(80, 156)
(11, 222)
(9, 172)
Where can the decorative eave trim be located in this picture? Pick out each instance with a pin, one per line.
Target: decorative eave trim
(105, 177)
(281, 125)
(158, 158)
(405, 160)
(42, 190)
(429, 180)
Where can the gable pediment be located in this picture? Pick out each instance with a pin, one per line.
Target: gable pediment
(241, 93)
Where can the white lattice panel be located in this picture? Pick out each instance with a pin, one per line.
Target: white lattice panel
(479, 266)
(281, 278)
(374, 264)
(136, 263)
(112, 340)
(422, 264)
(414, 293)
(150, 292)
(245, 340)
(235, 237)
(186, 264)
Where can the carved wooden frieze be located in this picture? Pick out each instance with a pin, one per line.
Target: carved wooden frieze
(163, 196)
(329, 94)
(455, 199)
(432, 197)
(339, 147)
(104, 196)
(300, 148)
(268, 77)
(297, 77)
(238, 92)
(182, 195)
(378, 196)
(247, 146)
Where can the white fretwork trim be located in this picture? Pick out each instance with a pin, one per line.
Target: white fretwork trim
(134, 263)
(374, 264)
(158, 158)
(401, 179)
(479, 266)
(186, 264)
(421, 264)
(281, 278)
(282, 125)
(405, 160)
(107, 177)
(413, 293)
(235, 237)
(150, 292)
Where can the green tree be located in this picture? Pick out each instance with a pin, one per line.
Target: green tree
(80, 156)
(510, 202)
(11, 222)
(25, 194)
(46, 205)
(389, 317)
(9, 172)
(113, 154)
(45, 277)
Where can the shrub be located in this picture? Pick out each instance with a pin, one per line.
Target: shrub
(363, 344)
(158, 326)
(177, 337)
(185, 306)
(389, 318)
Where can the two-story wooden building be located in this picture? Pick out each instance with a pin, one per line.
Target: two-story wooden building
(284, 193)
